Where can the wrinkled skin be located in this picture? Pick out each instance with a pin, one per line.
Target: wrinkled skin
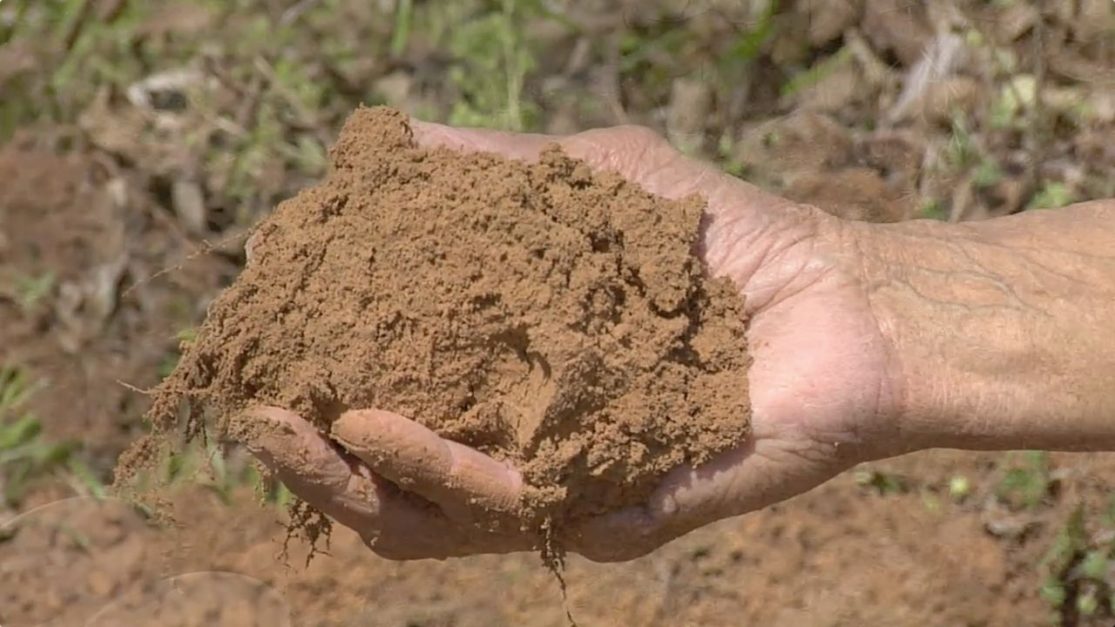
(824, 385)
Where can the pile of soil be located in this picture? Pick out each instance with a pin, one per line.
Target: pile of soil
(544, 314)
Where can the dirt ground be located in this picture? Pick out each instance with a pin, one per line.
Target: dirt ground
(141, 140)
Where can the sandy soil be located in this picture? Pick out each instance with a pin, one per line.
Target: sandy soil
(134, 207)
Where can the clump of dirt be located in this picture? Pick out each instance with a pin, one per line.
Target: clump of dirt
(541, 313)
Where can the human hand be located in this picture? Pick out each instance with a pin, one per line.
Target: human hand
(824, 387)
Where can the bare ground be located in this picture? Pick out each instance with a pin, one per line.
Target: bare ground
(126, 194)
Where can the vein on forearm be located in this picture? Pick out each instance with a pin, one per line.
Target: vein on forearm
(1005, 330)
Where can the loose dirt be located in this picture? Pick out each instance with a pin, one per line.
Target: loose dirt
(544, 314)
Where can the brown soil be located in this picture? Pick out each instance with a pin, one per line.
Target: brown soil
(843, 554)
(856, 551)
(840, 555)
(87, 235)
(545, 315)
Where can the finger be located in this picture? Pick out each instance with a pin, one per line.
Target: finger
(345, 490)
(636, 153)
(468, 485)
(642, 156)
(522, 146)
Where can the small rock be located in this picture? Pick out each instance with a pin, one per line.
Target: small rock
(898, 26)
(806, 141)
(828, 19)
(1094, 20)
(943, 98)
(1101, 105)
(189, 205)
(395, 88)
(16, 58)
(842, 84)
(1014, 20)
(850, 193)
(688, 113)
(179, 18)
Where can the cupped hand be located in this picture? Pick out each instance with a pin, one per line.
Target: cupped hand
(824, 386)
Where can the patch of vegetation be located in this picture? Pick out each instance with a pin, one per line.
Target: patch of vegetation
(817, 73)
(987, 173)
(1052, 195)
(883, 483)
(210, 465)
(26, 455)
(1079, 578)
(493, 61)
(933, 210)
(962, 150)
(1028, 483)
(25, 290)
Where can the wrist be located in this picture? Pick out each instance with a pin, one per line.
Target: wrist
(1002, 332)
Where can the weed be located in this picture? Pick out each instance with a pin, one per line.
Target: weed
(962, 151)
(933, 210)
(816, 74)
(25, 453)
(987, 173)
(219, 470)
(1052, 195)
(752, 40)
(493, 62)
(883, 483)
(1029, 484)
(404, 11)
(26, 290)
(1078, 579)
(1017, 96)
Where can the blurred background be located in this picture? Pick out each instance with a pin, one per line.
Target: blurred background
(140, 140)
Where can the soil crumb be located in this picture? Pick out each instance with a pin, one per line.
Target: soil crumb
(544, 314)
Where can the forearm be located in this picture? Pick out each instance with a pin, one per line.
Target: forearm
(1003, 332)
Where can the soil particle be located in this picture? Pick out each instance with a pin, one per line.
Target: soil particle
(541, 313)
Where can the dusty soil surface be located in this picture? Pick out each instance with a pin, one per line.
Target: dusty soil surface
(842, 555)
(79, 244)
(848, 553)
(553, 318)
(179, 124)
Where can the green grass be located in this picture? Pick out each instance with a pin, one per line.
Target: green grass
(26, 290)
(493, 62)
(1028, 483)
(209, 465)
(26, 454)
(1078, 576)
(1052, 195)
(817, 73)
(882, 482)
(933, 210)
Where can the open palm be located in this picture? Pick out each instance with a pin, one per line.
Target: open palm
(823, 385)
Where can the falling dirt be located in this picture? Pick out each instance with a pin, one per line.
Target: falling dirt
(546, 315)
